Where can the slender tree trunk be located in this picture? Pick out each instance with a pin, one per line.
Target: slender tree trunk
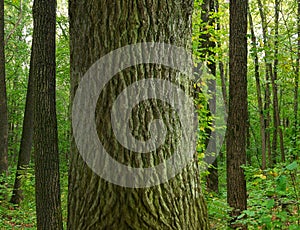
(26, 140)
(259, 96)
(296, 103)
(221, 66)
(48, 204)
(3, 99)
(277, 122)
(223, 84)
(97, 28)
(238, 109)
(208, 7)
(269, 72)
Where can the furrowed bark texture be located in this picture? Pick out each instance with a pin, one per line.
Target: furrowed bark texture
(96, 28)
(48, 205)
(238, 112)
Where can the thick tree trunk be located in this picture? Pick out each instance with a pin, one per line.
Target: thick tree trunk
(26, 140)
(97, 28)
(238, 108)
(259, 97)
(48, 205)
(3, 99)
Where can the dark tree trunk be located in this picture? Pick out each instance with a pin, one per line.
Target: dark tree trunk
(3, 99)
(48, 205)
(96, 28)
(26, 140)
(238, 109)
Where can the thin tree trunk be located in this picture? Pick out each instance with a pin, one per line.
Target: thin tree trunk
(48, 204)
(223, 84)
(296, 103)
(26, 140)
(3, 99)
(269, 72)
(238, 109)
(259, 96)
(207, 45)
(277, 122)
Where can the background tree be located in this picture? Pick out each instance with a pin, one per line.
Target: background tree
(238, 108)
(3, 99)
(274, 78)
(48, 204)
(26, 140)
(297, 72)
(268, 73)
(112, 206)
(259, 94)
(208, 55)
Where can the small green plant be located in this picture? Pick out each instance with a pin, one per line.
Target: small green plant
(273, 201)
(218, 210)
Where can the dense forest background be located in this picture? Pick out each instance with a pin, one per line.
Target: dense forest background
(272, 145)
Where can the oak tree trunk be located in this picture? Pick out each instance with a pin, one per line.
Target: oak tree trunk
(238, 109)
(48, 204)
(97, 28)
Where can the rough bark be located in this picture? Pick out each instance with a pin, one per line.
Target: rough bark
(238, 109)
(48, 205)
(259, 96)
(3, 99)
(96, 28)
(26, 140)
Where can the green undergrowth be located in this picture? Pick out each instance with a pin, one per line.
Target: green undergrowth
(24, 215)
(273, 199)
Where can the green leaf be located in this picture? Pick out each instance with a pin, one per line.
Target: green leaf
(241, 216)
(281, 183)
(292, 166)
(294, 227)
(266, 220)
(250, 213)
(270, 204)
